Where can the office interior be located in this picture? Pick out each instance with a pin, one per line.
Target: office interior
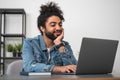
(83, 18)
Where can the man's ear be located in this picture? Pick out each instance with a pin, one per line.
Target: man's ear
(42, 29)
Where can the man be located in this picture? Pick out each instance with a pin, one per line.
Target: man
(48, 51)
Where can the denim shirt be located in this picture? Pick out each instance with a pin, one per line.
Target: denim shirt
(35, 55)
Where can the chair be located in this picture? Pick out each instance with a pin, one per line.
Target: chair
(14, 68)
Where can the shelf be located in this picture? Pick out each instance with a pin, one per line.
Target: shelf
(3, 34)
(11, 58)
(11, 11)
(13, 35)
(1, 63)
(2, 42)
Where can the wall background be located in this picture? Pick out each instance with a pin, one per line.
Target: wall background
(83, 18)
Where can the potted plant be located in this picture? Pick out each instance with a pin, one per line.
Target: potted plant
(14, 51)
(19, 49)
(10, 50)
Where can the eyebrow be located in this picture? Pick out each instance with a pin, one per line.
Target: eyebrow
(54, 22)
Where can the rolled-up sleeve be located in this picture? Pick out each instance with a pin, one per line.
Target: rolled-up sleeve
(29, 62)
(67, 56)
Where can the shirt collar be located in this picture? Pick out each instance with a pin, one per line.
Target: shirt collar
(42, 43)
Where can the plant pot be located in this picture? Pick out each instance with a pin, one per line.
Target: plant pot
(14, 54)
(19, 54)
(9, 54)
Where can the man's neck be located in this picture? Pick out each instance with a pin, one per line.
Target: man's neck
(48, 42)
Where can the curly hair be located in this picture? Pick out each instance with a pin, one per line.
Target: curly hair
(46, 11)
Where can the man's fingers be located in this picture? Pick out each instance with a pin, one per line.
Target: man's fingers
(71, 68)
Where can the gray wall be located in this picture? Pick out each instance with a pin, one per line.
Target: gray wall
(84, 18)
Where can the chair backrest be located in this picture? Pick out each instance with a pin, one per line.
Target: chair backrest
(14, 68)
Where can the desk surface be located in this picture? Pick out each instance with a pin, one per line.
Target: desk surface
(64, 77)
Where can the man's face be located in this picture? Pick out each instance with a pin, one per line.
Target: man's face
(53, 27)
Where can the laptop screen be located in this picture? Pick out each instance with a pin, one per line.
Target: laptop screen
(96, 56)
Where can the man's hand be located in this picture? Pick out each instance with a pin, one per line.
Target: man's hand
(59, 39)
(63, 69)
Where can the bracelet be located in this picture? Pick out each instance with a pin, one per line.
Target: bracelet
(59, 45)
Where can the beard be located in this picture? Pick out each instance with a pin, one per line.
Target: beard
(51, 35)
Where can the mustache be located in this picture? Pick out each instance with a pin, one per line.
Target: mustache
(58, 31)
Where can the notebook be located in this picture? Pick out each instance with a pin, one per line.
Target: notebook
(35, 73)
(96, 56)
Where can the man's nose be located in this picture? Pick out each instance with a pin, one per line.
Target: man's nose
(58, 27)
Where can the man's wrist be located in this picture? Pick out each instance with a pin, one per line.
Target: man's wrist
(62, 49)
(60, 45)
(56, 69)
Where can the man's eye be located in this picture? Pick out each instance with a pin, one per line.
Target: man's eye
(53, 25)
(60, 24)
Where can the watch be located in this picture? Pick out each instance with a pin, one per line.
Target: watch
(59, 45)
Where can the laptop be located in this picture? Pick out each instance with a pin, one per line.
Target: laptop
(96, 56)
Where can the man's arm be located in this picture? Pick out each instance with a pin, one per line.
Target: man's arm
(69, 63)
(59, 40)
